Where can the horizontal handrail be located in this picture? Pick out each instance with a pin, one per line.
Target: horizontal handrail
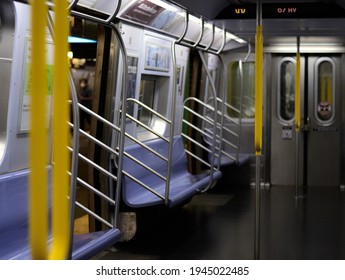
(149, 109)
(195, 127)
(196, 143)
(206, 119)
(117, 152)
(218, 140)
(225, 128)
(227, 105)
(95, 140)
(143, 185)
(200, 159)
(230, 156)
(145, 146)
(230, 144)
(142, 144)
(96, 166)
(221, 126)
(98, 117)
(93, 214)
(191, 100)
(145, 165)
(207, 106)
(146, 127)
(93, 189)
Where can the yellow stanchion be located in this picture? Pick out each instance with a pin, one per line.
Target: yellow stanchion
(298, 93)
(329, 90)
(38, 196)
(38, 216)
(322, 89)
(60, 225)
(258, 128)
(258, 89)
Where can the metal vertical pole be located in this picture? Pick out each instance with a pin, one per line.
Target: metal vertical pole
(258, 124)
(257, 210)
(38, 213)
(297, 166)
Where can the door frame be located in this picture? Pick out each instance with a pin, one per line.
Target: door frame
(272, 62)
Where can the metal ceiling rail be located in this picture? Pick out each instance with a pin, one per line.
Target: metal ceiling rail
(74, 6)
(223, 42)
(183, 41)
(88, 13)
(212, 40)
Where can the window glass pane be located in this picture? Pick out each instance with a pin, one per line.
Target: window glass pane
(325, 93)
(146, 96)
(287, 91)
(234, 89)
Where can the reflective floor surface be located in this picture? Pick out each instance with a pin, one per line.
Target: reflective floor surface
(220, 225)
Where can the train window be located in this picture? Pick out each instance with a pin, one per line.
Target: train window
(234, 89)
(153, 93)
(286, 90)
(146, 96)
(324, 99)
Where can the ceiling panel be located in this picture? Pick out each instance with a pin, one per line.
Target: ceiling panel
(318, 20)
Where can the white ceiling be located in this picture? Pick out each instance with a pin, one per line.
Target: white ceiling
(275, 30)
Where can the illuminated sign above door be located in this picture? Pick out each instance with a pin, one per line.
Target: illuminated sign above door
(283, 10)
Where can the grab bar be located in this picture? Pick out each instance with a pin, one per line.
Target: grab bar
(258, 89)
(298, 90)
(38, 230)
(38, 217)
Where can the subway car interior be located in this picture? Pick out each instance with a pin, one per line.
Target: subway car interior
(161, 130)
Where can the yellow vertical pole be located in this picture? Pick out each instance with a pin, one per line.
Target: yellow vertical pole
(298, 90)
(38, 194)
(329, 91)
(60, 213)
(38, 217)
(258, 89)
(258, 125)
(297, 114)
(323, 88)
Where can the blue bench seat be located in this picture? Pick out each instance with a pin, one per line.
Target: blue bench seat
(182, 184)
(226, 161)
(14, 236)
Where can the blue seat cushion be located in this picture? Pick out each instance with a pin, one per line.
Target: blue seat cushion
(227, 161)
(14, 226)
(182, 184)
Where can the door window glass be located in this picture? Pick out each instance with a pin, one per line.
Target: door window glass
(325, 91)
(234, 89)
(146, 96)
(286, 90)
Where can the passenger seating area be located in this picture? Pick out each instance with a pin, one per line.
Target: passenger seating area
(14, 236)
(14, 223)
(182, 184)
(228, 137)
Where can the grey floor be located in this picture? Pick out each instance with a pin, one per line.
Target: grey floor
(220, 225)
